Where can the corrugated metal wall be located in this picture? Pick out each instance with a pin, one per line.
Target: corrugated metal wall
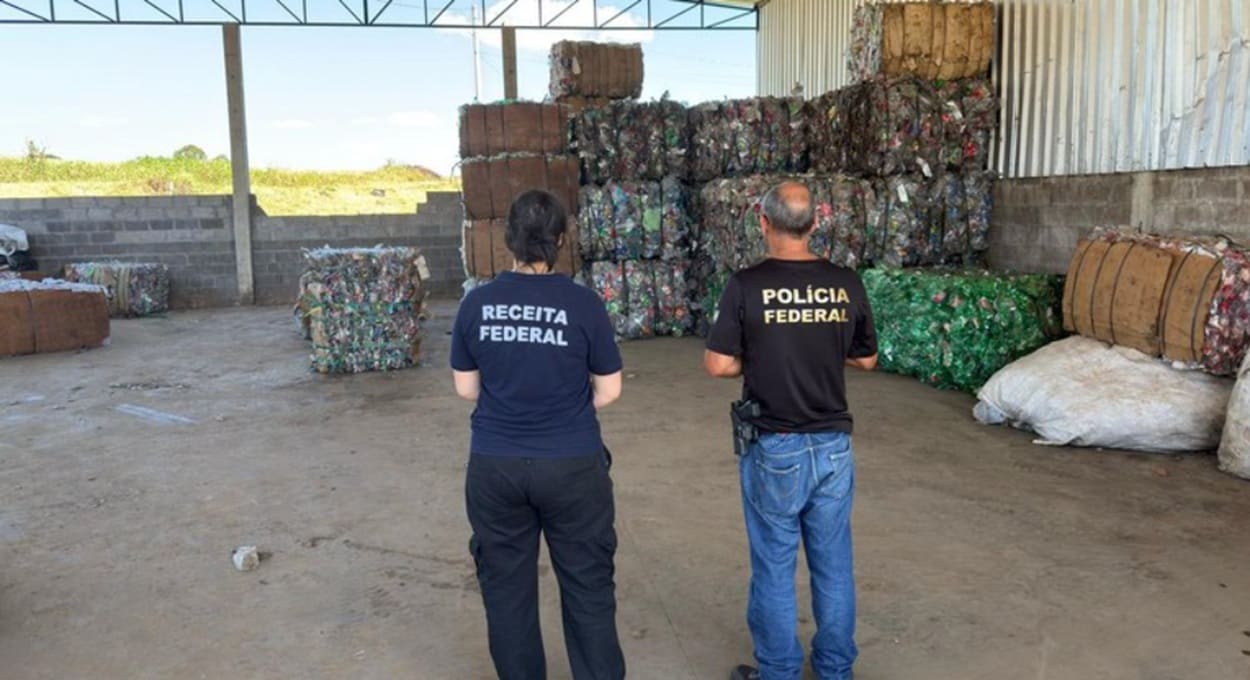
(805, 42)
(1088, 86)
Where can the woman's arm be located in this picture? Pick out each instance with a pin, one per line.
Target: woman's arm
(607, 388)
(468, 384)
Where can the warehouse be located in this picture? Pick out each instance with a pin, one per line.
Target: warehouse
(1046, 209)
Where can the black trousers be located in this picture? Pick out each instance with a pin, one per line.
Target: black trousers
(511, 500)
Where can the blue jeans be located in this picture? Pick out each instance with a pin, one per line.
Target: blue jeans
(800, 486)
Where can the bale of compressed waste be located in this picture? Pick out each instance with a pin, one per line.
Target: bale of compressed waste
(955, 328)
(630, 141)
(590, 69)
(51, 316)
(759, 135)
(731, 209)
(644, 298)
(491, 184)
(134, 288)
(362, 307)
(485, 251)
(945, 41)
(1186, 298)
(635, 220)
(903, 125)
(515, 127)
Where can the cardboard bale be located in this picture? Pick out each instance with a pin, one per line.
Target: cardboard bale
(490, 185)
(596, 70)
(935, 41)
(1187, 305)
(517, 127)
(486, 252)
(1114, 293)
(17, 332)
(67, 320)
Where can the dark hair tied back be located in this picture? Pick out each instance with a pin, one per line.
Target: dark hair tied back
(536, 222)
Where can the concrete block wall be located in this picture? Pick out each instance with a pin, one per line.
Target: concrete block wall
(1037, 222)
(190, 234)
(193, 235)
(279, 241)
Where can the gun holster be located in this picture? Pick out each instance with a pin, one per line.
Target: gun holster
(741, 413)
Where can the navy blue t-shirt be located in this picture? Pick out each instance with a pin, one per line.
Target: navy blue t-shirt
(536, 339)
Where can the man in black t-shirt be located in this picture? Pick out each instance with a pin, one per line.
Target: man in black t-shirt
(788, 326)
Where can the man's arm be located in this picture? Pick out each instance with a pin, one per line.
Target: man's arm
(720, 365)
(868, 363)
(468, 384)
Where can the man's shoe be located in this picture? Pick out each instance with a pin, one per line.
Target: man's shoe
(745, 672)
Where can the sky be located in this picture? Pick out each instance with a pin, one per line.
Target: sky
(316, 98)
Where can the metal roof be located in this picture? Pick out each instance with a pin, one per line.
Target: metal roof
(598, 15)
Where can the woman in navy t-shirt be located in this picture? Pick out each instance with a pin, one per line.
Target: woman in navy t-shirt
(537, 353)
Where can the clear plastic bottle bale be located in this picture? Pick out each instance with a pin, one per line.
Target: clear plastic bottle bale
(594, 219)
(955, 242)
(627, 221)
(608, 280)
(651, 207)
(672, 315)
(675, 219)
(641, 306)
(979, 197)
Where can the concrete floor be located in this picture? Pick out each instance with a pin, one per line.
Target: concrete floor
(980, 556)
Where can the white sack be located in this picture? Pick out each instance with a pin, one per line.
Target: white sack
(12, 240)
(1235, 446)
(1082, 392)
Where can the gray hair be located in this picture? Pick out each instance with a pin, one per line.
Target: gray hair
(790, 213)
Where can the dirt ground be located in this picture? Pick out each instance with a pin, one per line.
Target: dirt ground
(979, 555)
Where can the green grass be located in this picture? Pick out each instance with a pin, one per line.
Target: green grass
(390, 189)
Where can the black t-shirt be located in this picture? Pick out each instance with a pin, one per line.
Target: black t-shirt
(795, 323)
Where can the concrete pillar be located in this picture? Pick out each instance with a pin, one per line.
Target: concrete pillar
(509, 62)
(242, 191)
(1142, 210)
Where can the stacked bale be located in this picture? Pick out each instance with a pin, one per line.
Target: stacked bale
(508, 149)
(925, 147)
(588, 69)
(935, 41)
(361, 308)
(741, 137)
(134, 288)
(51, 316)
(636, 236)
(629, 140)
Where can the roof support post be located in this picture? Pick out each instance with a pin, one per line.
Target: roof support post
(509, 62)
(242, 186)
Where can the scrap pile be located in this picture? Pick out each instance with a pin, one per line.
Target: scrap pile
(596, 70)
(134, 288)
(955, 328)
(744, 137)
(51, 316)
(935, 41)
(361, 307)
(644, 298)
(507, 149)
